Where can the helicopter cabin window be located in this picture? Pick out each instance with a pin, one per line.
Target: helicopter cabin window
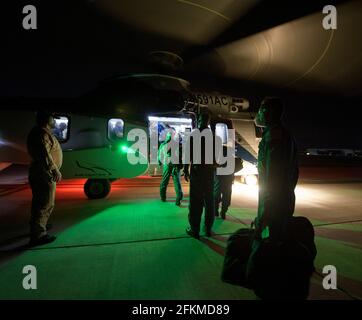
(160, 126)
(61, 129)
(115, 129)
(221, 130)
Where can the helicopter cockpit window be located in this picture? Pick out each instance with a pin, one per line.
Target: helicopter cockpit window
(115, 129)
(61, 130)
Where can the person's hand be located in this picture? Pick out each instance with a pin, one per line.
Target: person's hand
(255, 224)
(57, 175)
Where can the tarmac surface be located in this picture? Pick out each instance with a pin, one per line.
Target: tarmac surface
(132, 246)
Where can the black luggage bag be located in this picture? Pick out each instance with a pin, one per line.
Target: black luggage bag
(277, 270)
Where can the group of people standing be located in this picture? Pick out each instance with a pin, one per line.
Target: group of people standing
(277, 166)
(278, 175)
(207, 190)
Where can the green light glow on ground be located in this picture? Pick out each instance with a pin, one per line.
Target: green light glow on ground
(138, 250)
(180, 268)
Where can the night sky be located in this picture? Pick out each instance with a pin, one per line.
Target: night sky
(74, 48)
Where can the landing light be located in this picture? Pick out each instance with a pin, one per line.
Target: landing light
(124, 149)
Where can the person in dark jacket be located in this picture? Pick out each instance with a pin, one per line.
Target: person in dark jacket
(278, 176)
(223, 186)
(277, 168)
(201, 181)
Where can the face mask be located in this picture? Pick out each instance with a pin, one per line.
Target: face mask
(260, 119)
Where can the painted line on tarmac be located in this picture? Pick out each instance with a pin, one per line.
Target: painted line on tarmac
(28, 248)
(336, 223)
(327, 181)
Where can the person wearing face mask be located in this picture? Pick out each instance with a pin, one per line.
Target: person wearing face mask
(282, 253)
(278, 170)
(44, 172)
